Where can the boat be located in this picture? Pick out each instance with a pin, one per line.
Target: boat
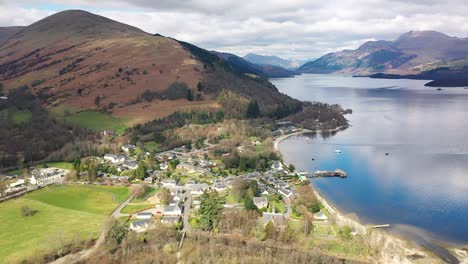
(337, 151)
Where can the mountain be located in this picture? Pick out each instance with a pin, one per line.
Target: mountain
(81, 61)
(7, 32)
(270, 60)
(412, 52)
(265, 70)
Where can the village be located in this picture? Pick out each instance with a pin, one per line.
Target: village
(182, 175)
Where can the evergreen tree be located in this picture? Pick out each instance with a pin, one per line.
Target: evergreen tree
(253, 110)
(249, 204)
(189, 95)
(210, 210)
(141, 171)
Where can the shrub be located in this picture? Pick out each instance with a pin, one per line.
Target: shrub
(27, 211)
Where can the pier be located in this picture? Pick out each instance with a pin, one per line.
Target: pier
(322, 174)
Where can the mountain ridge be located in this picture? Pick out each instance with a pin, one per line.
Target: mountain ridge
(411, 52)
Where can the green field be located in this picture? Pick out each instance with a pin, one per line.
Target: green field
(60, 165)
(97, 121)
(93, 120)
(152, 146)
(22, 116)
(64, 213)
(19, 116)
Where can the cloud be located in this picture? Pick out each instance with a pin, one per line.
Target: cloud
(295, 29)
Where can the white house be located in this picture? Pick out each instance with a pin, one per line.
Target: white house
(172, 209)
(260, 202)
(277, 165)
(219, 187)
(164, 166)
(149, 180)
(130, 164)
(320, 216)
(47, 175)
(17, 183)
(196, 189)
(128, 147)
(115, 158)
(140, 225)
(169, 183)
(286, 192)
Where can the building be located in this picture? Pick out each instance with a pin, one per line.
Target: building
(17, 183)
(172, 209)
(149, 180)
(260, 202)
(115, 158)
(47, 175)
(285, 192)
(169, 183)
(277, 219)
(196, 189)
(140, 225)
(130, 164)
(108, 133)
(128, 147)
(320, 216)
(277, 165)
(144, 215)
(219, 187)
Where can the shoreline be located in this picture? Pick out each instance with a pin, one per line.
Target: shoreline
(392, 249)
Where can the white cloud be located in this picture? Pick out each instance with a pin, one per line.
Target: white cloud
(292, 29)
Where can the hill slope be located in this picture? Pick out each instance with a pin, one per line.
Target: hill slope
(78, 60)
(270, 60)
(412, 52)
(265, 70)
(8, 32)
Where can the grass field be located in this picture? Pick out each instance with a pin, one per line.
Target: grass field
(19, 116)
(22, 116)
(93, 120)
(97, 121)
(60, 165)
(64, 213)
(152, 146)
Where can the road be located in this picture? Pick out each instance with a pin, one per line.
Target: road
(186, 215)
(79, 256)
(287, 201)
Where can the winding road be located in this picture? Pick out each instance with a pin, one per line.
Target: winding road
(81, 255)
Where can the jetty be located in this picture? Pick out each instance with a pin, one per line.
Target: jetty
(381, 226)
(323, 173)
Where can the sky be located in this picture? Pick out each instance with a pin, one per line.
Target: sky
(293, 29)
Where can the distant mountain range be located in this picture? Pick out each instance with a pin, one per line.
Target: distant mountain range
(88, 62)
(413, 52)
(265, 70)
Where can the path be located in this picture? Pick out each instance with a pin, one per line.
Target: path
(186, 216)
(288, 207)
(76, 257)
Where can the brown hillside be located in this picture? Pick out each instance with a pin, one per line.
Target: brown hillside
(8, 32)
(73, 57)
(84, 61)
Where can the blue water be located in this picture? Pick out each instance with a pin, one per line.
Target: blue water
(422, 185)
